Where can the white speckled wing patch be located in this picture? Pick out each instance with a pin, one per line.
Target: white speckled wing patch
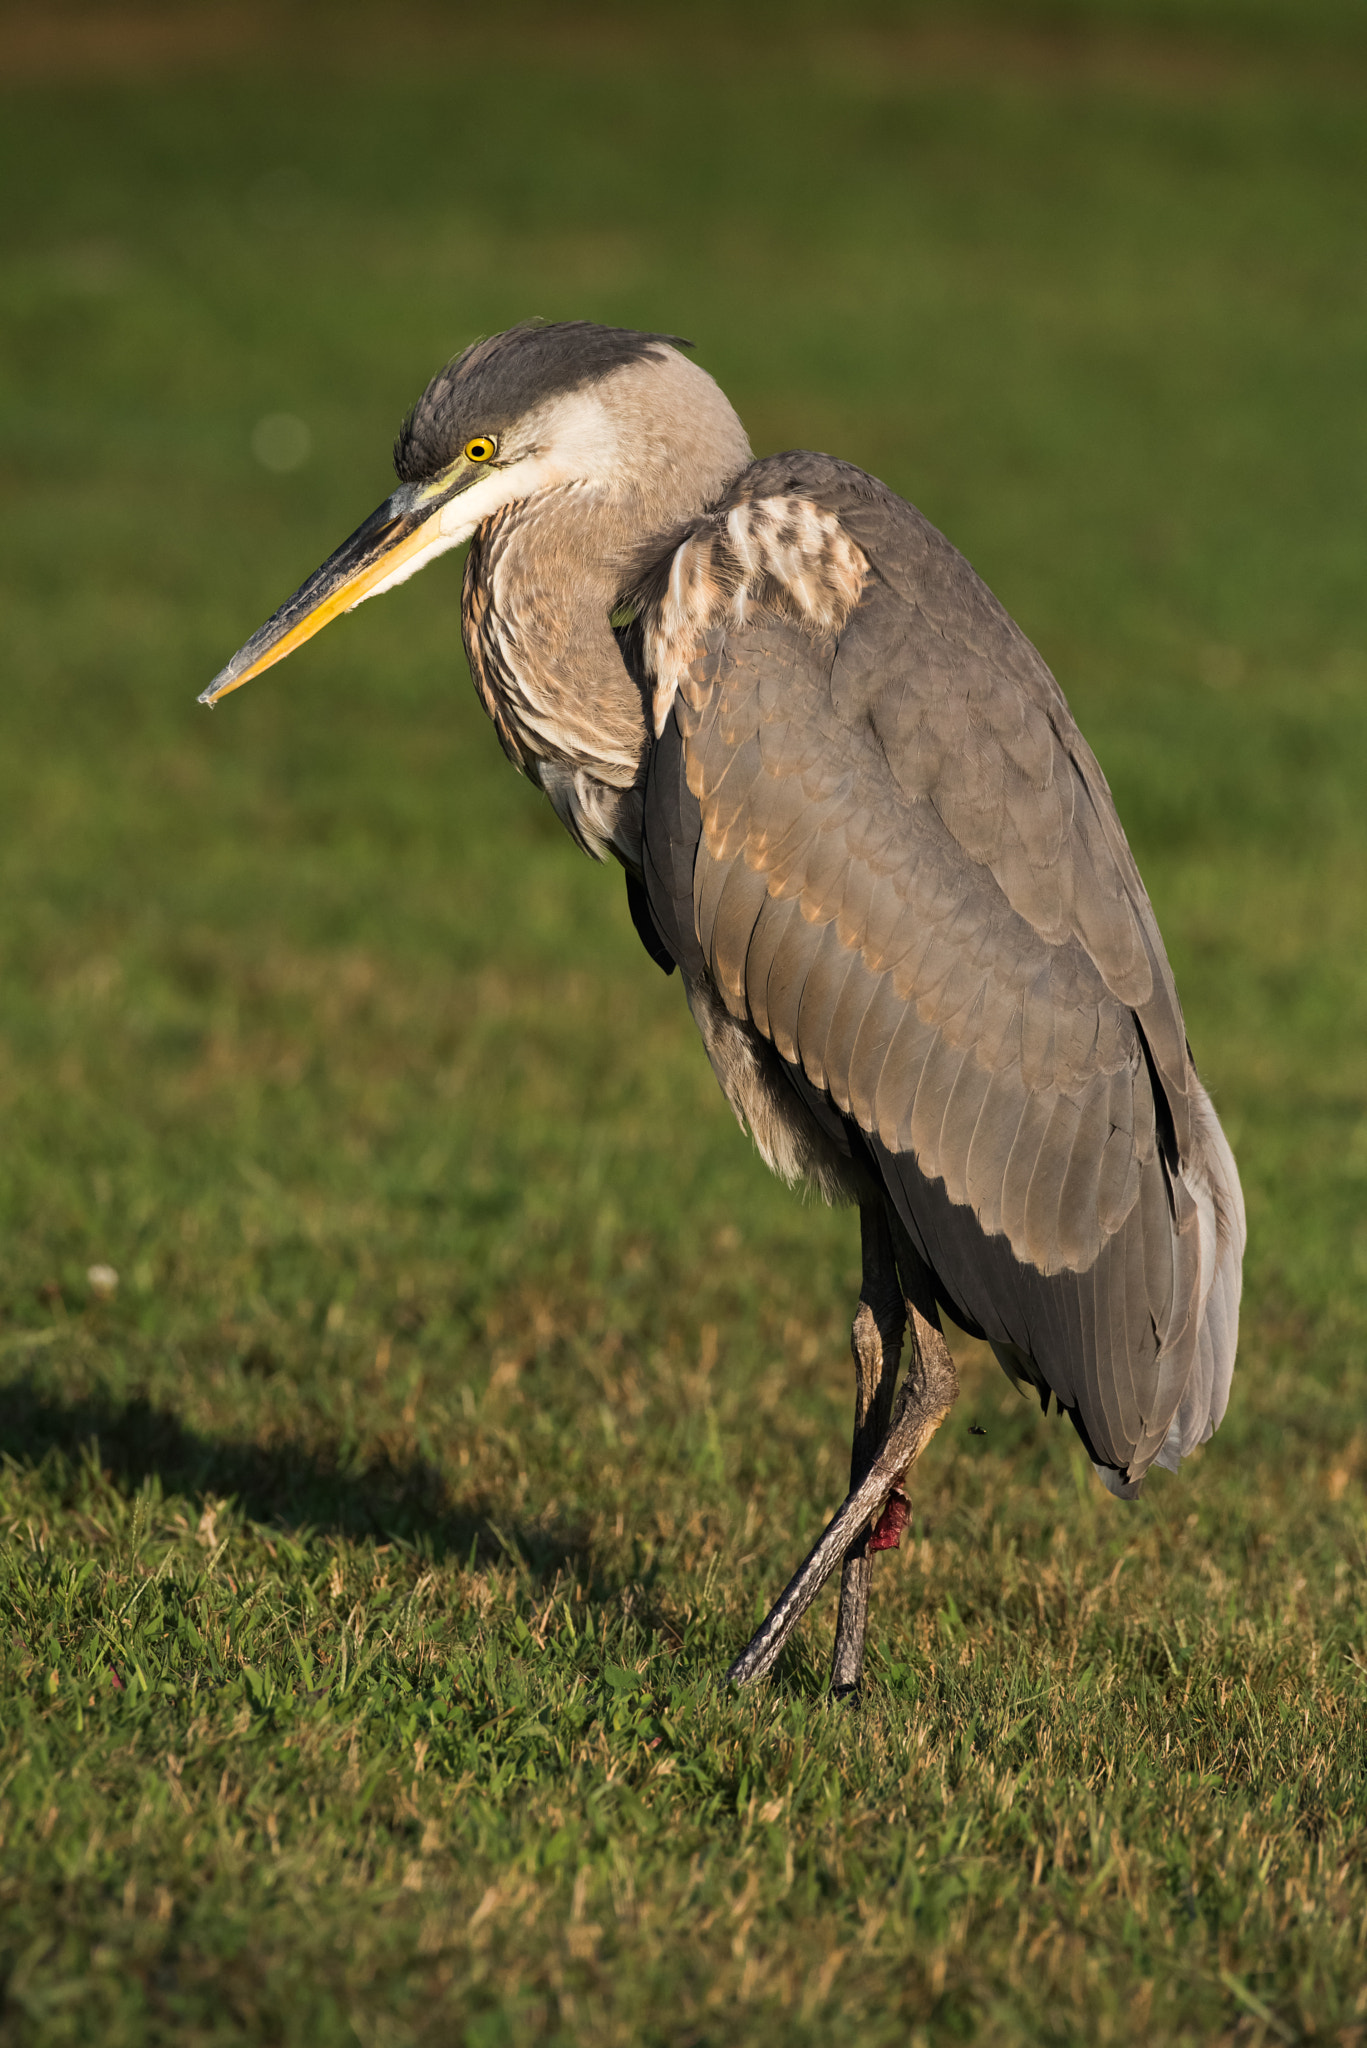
(783, 549)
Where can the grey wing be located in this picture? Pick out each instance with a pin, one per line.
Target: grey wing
(889, 849)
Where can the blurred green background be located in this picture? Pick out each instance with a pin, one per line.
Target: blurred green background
(442, 1267)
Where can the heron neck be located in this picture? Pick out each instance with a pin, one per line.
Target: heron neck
(541, 580)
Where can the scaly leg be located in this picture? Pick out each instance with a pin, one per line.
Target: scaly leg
(924, 1399)
(876, 1341)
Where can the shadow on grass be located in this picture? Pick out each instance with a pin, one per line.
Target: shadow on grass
(286, 1485)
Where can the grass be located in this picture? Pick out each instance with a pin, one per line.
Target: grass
(371, 1551)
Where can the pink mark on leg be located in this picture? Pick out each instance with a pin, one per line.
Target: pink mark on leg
(893, 1520)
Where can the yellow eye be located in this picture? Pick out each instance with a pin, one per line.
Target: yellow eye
(480, 449)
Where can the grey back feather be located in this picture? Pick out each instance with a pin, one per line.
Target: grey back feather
(876, 829)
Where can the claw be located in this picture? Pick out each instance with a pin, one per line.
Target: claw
(893, 1520)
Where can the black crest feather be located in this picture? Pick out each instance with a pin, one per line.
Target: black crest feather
(496, 381)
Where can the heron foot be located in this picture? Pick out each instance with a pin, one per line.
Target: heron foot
(924, 1399)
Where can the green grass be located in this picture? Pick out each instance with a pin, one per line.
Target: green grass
(371, 1555)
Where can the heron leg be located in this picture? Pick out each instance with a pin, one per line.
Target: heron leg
(876, 1342)
(923, 1400)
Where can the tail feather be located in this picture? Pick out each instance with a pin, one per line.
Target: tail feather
(1220, 1204)
(1213, 1180)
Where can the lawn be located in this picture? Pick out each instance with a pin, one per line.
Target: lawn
(372, 1548)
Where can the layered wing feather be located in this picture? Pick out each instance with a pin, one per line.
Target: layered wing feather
(872, 822)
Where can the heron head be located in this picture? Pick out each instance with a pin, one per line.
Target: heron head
(537, 409)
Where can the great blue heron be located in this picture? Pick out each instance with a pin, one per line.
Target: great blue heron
(855, 812)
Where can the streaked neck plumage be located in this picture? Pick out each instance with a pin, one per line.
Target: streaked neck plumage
(651, 447)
